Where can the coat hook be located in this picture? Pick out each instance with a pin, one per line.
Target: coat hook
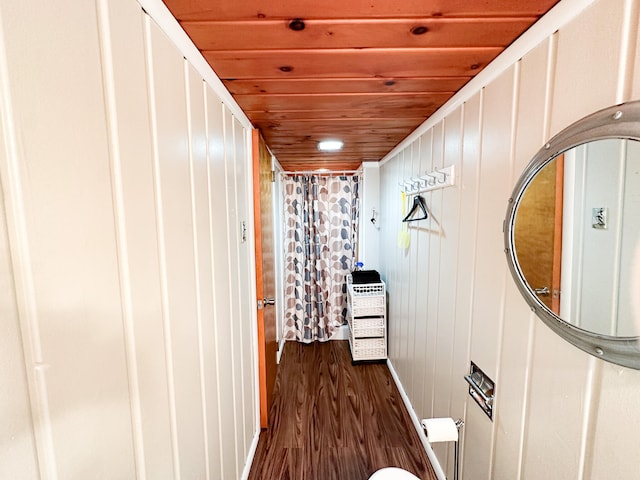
(443, 178)
(433, 179)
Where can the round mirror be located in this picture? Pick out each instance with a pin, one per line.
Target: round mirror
(572, 234)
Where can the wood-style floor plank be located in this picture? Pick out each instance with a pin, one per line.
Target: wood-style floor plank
(332, 420)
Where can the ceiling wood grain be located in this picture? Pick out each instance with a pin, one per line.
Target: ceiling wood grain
(366, 71)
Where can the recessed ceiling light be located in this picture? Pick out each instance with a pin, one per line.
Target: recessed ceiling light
(330, 145)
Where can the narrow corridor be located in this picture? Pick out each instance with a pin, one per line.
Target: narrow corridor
(332, 420)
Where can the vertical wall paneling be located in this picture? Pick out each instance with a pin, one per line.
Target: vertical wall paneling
(395, 217)
(197, 136)
(421, 267)
(628, 50)
(435, 235)
(227, 369)
(467, 254)
(247, 334)
(435, 243)
(579, 88)
(412, 278)
(233, 225)
(72, 314)
(614, 410)
(118, 253)
(369, 235)
(18, 454)
(425, 336)
(177, 251)
(445, 348)
(30, 451)
(489, 285)
(133, 190)
(558, 411)
(515, 351)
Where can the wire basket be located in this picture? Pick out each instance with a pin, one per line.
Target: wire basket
(367, 326)
(367, 306)
(364, 289)
(368, 348)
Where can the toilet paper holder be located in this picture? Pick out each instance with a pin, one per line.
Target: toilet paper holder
(481, 389)
(450, 432)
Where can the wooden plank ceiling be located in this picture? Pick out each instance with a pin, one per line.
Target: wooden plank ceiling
(367, 72)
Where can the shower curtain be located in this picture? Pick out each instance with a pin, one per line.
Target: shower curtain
(321, 228)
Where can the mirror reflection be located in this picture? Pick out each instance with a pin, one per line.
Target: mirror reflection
(577, 236)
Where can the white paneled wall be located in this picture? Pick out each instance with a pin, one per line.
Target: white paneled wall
(559, 413)
(127, 346)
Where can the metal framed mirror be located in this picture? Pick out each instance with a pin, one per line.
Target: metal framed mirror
(572, 234)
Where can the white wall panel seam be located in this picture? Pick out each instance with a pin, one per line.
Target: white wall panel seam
(411, 277)
(227, 163)
(515, 95)
(23, 274)
(548, 92)
(628, 48)
(437, 198)
(104, 34)
(475, 223)
(241, 380)
(472, 267)
(432, 400)
(589, 416)
(198, 294)
(552, 57)
(454, 299)
(215, 318)
(162, 249)
(161, 15)
(244, 287)
(425, 288)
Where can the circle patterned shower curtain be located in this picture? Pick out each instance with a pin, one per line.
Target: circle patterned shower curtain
(320, 238)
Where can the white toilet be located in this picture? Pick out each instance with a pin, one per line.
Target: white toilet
(393, 473)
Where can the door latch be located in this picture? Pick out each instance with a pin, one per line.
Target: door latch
(265, 302)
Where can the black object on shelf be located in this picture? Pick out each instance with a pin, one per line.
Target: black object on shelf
(365, 276)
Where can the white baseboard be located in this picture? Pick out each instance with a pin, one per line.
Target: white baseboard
(250, 455)
(416, 423)
(280, 349)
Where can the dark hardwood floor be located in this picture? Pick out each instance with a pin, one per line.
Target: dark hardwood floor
(332, 420)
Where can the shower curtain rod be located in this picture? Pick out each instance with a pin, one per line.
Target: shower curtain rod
(315, 172)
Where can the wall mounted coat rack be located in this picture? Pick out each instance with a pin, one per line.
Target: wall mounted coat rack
(444, 177)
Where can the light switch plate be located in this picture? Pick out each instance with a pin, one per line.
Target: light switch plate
(599, 218)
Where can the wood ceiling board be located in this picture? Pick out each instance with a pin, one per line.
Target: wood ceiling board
(354, 69)
(297, 144)
(371, 63)
(343, 132)
(360, 33)
(349, 166)
(345, 85)
(292, 146)
(344, 114)
(289, 9)
(342, 123)
(359, 101)
(303, 140)
(353, 153)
